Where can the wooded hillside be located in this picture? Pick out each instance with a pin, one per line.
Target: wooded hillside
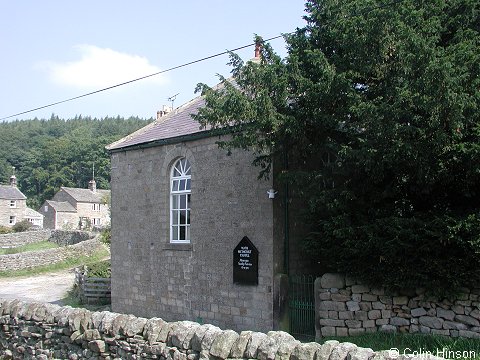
(58, 152)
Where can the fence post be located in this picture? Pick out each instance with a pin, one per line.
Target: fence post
(79, 281)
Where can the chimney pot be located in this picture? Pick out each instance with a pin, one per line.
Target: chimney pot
(165, 110)
(257, 50)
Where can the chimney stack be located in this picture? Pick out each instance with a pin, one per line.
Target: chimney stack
(165, 110)
(92, 185)
(257, 50)
(13, 178)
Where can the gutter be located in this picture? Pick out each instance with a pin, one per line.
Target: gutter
(173, 140)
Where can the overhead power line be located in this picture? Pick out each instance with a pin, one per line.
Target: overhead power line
(366, 11)
(137, 79)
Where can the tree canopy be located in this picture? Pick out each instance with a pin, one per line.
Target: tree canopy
(48, 154)
(379, 105)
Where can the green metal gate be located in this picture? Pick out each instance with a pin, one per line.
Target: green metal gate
(302, 307)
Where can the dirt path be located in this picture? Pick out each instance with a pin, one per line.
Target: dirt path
(49, 287)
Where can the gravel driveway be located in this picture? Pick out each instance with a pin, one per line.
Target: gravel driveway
(49, 287)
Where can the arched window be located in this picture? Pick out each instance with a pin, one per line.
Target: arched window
(180, 192)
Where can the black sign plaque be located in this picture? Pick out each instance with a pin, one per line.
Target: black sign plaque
(245, 263)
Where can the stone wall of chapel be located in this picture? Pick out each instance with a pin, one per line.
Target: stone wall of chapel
(151, 277)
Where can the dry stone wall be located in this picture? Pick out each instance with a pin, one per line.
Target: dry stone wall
(47, 331)
(32, 259)
(23, 238)
(345, 307)
(64, 238)
(60, 237)
(74, 244)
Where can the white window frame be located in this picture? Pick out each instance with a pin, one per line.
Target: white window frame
(96, 221)
(13, 204)
(180, 192)
(12, 220)
(96, 207)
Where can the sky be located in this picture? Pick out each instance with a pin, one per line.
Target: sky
(53, 50)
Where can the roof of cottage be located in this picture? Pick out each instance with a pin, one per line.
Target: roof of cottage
(9, 192)
(61, 206)
(177, 123)
(30, 213)
(86, 195)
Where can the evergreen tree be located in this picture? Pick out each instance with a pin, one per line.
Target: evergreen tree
(379, 106)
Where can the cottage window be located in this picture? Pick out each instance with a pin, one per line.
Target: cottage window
(180, 192)
(13, 203)
(96, 222)
(96, 207)
(13, 220)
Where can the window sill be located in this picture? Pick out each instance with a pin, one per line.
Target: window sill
(178, 247)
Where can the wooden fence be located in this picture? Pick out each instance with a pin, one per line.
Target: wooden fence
(93, 289)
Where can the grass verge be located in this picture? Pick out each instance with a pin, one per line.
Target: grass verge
(102, 253)
(416, 344)
(42, 245)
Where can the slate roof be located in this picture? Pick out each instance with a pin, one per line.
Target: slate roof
(30, 213)
(86, 195)
(61, 206)
(9, 192)
(175, 124)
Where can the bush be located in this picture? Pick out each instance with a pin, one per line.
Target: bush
(101, 269)
(438, 252)
(22, 226)
(106, 236)
(5, 230)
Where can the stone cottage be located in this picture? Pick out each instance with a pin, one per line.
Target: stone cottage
(76, 208)
(13, 206)
(195, 235)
